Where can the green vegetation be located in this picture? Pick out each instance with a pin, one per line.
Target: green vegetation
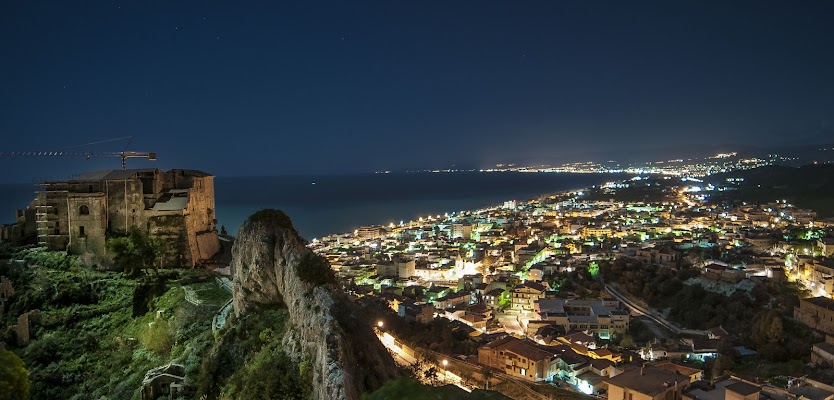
(136, 251)
(248, 361)
(440, 335)
(158, 336)
(779, 339)
(409, 389)
(647, 191)
(809, 186)
(14, 378)
(755, 316)
(315, 269)
(580, 283)
(272, 217)
(593, 269)
(627, 342)
(97, 333)
(100, 332)
(638, 332)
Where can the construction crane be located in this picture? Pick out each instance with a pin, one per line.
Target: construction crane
(124, 155)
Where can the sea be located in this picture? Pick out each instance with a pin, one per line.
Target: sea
(320, 205)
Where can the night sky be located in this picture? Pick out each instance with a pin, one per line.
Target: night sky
(295, 87)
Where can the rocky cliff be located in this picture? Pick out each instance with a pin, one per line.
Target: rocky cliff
(272, 265)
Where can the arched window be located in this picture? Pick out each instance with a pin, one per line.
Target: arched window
(84, 210)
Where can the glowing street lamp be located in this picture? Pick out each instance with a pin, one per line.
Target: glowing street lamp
(379, 324)
(445, 370)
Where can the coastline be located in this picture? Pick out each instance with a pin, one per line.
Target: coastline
(477, 210)
(344, 203)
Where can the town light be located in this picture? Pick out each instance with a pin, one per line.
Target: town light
(379, 324)
(445, 363)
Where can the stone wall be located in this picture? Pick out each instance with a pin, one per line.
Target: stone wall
(6, 292)
(207, 245)
(93, 224)
(116, 204)
(200, 222)
(23, 328)
(817, 313)
(125, 204)
(170, 227)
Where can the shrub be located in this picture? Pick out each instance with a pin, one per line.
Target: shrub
(144, 292)
(158, 337)
(272, 374)
(236, 346)
(272, 217)
(315, 269)
(14, 379)
(266, 335)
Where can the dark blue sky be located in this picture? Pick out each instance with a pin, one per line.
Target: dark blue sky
(289, 87)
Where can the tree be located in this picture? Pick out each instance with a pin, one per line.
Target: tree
(158, 336)
(416, 368)
(135, 252)
(627, 342)
(14, 378)
(768, 328)
(431, 374)
(713, 366)
(593, 269)
(768, 335)
(487, 373)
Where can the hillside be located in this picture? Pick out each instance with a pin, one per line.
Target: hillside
(96, 334)
(809, 186)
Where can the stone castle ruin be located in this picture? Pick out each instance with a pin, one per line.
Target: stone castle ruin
(79, 214)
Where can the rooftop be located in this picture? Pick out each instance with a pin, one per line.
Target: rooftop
(812, 393)
(112, 174)
(650, 381)
(826, 347)
(824, 302)
(744, 389)
(680, 369)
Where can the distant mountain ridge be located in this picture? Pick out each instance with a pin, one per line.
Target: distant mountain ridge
(808, 186)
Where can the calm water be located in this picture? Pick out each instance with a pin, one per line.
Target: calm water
(341, 203)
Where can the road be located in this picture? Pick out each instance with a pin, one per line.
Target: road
(651, 314)
(404, 359)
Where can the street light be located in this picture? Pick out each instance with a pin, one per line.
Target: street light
(445, 363)
(379, 324)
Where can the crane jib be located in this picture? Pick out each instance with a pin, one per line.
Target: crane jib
(124, 155)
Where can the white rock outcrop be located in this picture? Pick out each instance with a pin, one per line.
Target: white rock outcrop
(346, 358)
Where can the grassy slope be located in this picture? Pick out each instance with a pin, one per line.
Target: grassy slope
(88, 343)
